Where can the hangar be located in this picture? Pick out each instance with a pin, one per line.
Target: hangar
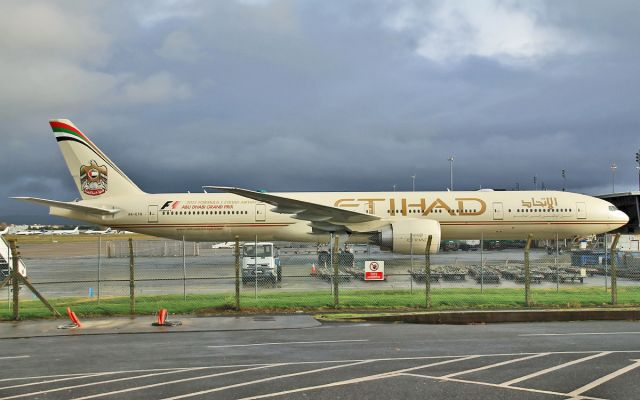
(628, 202)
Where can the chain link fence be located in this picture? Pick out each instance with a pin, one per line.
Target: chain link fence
(112, 275)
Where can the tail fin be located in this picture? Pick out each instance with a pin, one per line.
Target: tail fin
(95, 175)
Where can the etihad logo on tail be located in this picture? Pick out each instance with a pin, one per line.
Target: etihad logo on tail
(93, 179)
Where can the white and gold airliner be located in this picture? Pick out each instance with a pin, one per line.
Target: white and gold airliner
(390, 219)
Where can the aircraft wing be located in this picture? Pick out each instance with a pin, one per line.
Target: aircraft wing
(71, 206)
(319, 215)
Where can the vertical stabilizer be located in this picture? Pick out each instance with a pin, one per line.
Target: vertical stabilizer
(95, 175)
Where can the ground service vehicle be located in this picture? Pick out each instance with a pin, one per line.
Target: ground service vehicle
(262, 265)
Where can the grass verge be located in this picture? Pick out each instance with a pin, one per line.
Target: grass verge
(313, 301)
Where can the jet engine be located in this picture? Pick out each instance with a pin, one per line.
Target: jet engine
(399, 235)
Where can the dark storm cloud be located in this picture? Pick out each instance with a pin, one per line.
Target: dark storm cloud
(350, 95)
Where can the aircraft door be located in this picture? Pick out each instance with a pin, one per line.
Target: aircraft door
(581, 210)
(497, 211)
(261, 212)
(153, 214)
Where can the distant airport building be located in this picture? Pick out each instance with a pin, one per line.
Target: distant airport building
(628, 202)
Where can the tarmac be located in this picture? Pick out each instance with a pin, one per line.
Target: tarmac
(186, 323)
(143, 325)
(525, 361)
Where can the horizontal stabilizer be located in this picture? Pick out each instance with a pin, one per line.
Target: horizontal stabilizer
(71, 206)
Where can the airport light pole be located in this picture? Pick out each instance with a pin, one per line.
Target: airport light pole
(614, 167)
(413, 182)
(451, 173)
(564, 180)
(638, 167)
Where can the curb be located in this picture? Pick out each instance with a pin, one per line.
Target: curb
(490, 317)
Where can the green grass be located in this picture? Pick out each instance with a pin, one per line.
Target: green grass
(310, 301)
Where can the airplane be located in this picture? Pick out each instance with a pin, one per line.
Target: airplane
(75, 231)
(397, 221)
(5, 231)
(29, 232)
(99, 232)
(224, 245)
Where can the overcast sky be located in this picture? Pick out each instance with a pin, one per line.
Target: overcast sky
(322, 95)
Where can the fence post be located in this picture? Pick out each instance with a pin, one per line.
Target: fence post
(15, 286)
(527, 273)
(427, 272)
(99, 264)
(237, 255)
(555, 262)
(334, 260)
(184, 270)
(482, 263)
(614, 270)
(411, 266)
(255, 268)
(132, 281)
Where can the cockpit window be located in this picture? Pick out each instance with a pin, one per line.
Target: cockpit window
(613, 208)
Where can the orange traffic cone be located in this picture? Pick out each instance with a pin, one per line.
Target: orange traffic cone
(72, 316)
(313, 269)
(162, 319)
(162, 316)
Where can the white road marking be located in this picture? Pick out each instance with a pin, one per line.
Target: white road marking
(494, 365)
(557, 367)
(38, 377)
(606, 378)
(271, 378)
(175, 381)
(105, 373)
(174, 371)
(580, 334)
(55, 380)
(500, 386)
(453, 358)
(355, 380)
(286, 343)
(13, 357)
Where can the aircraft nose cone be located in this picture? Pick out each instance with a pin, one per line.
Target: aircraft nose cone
(625, 217)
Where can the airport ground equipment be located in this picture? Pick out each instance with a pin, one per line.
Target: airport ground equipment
(15, 278)
(5, 260)
(355, 271)
(484, 274)
(326, 273)
(421, 275)
(260, 261)
(345, 264)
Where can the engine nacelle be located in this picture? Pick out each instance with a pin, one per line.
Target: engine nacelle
(399, 235)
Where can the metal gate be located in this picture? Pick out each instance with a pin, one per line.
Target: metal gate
(497, 211)
(153, 214)
(261, 212)
(581, 210)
